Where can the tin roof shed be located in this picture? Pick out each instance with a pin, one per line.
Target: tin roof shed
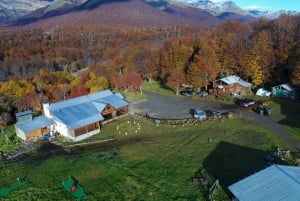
(35, 123)
(276, 183)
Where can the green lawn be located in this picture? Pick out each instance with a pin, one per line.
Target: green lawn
(157, 88)
(8, 139)
(153, 163)
(289, 109)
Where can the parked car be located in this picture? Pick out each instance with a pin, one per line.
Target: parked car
(186, 93)
(262, 110)
(202, 93)
(199, 114)
(213, 113)
(247, 102)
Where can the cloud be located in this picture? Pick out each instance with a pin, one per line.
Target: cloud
(214, 1)
(255, 7)
(219, 1)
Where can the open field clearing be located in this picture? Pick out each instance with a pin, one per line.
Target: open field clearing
(150, 163)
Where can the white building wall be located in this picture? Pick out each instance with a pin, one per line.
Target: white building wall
(46, 110)
(20, 133)
(61, 129)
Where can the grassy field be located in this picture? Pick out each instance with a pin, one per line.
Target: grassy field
(290, 113)
(8, 139)
(157, 88)
(153, 163)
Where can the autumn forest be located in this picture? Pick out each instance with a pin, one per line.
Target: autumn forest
(46, 66)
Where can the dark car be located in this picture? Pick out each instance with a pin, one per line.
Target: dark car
(202, 93)
(262, 110)
(198, 114)
(247, 102)
(186, 93)
(213, 113)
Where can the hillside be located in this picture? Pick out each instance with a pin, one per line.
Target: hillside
(131, 13)
(12, 10)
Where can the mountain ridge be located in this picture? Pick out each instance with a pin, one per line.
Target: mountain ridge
(12, 10)
(156, 13)
(117, 12)
(220, 9)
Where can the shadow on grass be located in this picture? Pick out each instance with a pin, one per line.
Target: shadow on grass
(291, 110)
(230, 163)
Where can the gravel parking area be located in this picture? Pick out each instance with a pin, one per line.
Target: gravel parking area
(170, 107)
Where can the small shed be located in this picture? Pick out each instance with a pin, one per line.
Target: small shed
(284, 91)
(231, 85)
(276, 183)
(24, 116)
(36, 127)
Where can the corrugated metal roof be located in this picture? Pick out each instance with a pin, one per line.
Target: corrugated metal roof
(235, 79)
(68, 102)
(114, 101)
(120, 95)
(100, 94)
(99, 106)
(275, 183)
(23, 113)
(84, 110)
(76, 116)
(36, 123)
(244, 83)
(230, 79)
(86, 121)
(286, 87)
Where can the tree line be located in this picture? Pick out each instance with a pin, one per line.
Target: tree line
(37, 66)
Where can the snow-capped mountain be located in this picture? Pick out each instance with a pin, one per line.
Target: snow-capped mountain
(11, 10)
(206, 5)
(27, 11)
(269, 14)
(219, 9)
(231, 7)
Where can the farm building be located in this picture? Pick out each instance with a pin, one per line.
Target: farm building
(276, 183)
(231, 85)
(78, 118)
(28, 127)
(284, 91)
